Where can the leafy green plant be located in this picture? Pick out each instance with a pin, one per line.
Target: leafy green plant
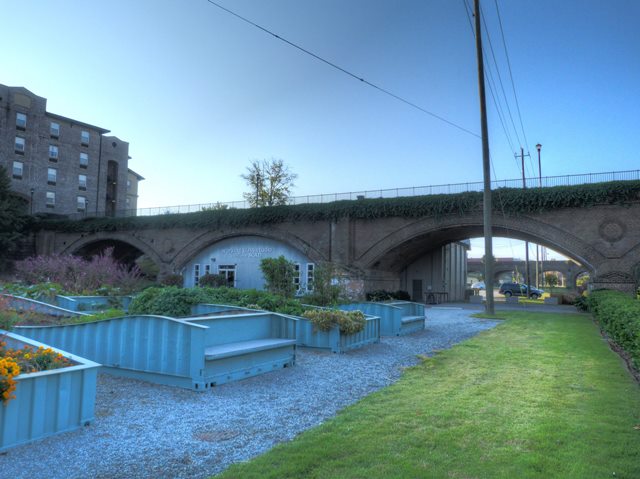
(278, 274)
(173, 279)
(508, 201)
(619, 316)
(213, 280)
(328, 289)
(349, 322)
(384, 295)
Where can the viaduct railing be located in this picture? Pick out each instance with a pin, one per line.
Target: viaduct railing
(533, 182)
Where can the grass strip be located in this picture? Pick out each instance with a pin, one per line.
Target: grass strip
(541, 395)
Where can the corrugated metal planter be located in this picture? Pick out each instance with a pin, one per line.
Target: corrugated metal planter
(395, 320)
(179, 352)
(336, 341)
(47, 402)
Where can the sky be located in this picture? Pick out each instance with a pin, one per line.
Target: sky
(199, 94)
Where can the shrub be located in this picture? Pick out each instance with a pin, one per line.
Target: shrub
(8, 317)
(619, 316)
(328, 289)
(173, 279)
(173, 301)
(213, 280)
(384, 295)
(278, 274)
(77, 275)
(168, 301)
(349, 322)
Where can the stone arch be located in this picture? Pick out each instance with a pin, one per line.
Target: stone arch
(405, 244)
(188, 252)
(115, 238)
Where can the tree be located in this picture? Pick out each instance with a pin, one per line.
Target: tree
(270, 182)
(551, 279)
(13, 220)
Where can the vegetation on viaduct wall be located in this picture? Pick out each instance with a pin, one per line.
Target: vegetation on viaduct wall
(506, 201)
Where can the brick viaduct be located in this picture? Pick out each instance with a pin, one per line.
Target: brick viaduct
(603, 239)
(569, 269)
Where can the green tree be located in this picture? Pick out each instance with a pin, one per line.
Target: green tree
(551, 279)
(278, 274)
(270, 183)
(327, 287)
(13, 220)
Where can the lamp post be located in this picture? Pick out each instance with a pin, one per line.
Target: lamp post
(538, 247)
(31, 204)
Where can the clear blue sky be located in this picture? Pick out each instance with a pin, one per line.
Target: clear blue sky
(199, 94)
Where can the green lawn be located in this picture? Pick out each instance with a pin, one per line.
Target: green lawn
(539, 396)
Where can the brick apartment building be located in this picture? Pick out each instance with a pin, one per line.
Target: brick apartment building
(61, 165)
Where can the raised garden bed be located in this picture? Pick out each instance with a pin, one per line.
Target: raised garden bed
(47, 402)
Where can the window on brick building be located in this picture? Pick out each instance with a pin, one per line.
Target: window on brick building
(84, 160)
(53, 153)
(82, 203)
(84, 138)
(51, 199)
(54, 130)
(82, 182)
(19, 145)
(21, 121)
(52, 176)
(18, 170)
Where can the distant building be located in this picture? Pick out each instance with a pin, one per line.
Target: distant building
(61, 165)
(133, 179)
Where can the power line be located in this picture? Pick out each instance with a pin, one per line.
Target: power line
(492, 87)
(513, 85)
(343, 70)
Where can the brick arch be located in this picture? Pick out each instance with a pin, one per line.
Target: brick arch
(404, 245)
(204, 240)
(122, 237)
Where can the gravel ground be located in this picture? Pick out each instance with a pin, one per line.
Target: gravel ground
(145, 430)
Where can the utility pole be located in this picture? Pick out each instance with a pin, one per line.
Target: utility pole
(539, 147)
(526, 243)
(486, 170)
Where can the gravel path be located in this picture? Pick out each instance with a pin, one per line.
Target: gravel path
(145, 430)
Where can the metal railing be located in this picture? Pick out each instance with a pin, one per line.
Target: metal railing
(535, 182)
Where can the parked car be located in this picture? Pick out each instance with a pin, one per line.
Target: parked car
(478, 285)
(517, 289)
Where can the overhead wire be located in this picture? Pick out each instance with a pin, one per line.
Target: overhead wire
(513, 84)
(491, 85)
(345, 71)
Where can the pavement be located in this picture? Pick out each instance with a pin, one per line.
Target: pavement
(502, 306)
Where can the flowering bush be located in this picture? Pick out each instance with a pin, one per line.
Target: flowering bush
(77, 275)
(23, 361)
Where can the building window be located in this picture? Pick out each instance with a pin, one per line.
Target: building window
(229, 272)
(51, 199)
(19, 145)
(21, 121)
(54, 130)
(84, 160)
(53, 153)
(82, 182)
(18, 169)
(84, 138)
(82, 204)
(196, 274)
(52, 175)
(128, 185)
(310, 276)
(296, 276)
(207, 267)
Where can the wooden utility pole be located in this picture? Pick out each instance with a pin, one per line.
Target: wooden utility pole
(526, 243)
(486, 170)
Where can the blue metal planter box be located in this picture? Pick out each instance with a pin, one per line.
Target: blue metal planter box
(334, 340)
(20, 303)
(93, 303)
(179, 352)
(47, 402)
